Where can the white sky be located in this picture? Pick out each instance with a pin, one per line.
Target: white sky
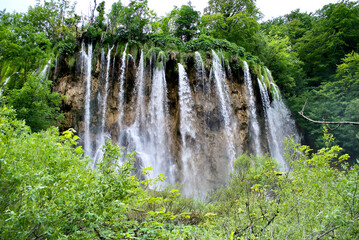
(270, 8)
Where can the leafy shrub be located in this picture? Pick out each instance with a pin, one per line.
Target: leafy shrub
(36, 104)
(164, 41)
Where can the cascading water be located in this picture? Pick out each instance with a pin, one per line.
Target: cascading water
(102, 136)
(135, 134)
(272, 140)
(188, 134)
(253, 123)
(279, 124)
(121, 94)
(283, 125)
(44, 73)
(225, 102)
(157, 151)
(3, 86)
(140, 105)
(87, 63)
(149, 135)
(188, 130)
(200, 72)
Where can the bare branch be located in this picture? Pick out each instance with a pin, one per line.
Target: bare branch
(330, 230)
(301, 113)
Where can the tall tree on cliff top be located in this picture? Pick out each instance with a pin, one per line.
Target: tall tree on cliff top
(235, 21)
(132, 21)
(186, 21)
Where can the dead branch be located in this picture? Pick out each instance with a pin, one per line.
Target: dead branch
(301, 113)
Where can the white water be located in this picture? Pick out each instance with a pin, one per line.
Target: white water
(188, 134)
(226, 109)
(200, 72)
(135, 135)
(253, 121)
(3, 86)
(140, 105)
(157, 151)
(121, 94)
(275, 89)
(44, 73)
(279, 124)
(149, 135)
(87, 67)
(103, 136)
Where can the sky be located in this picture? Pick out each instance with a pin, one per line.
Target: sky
(270, 8)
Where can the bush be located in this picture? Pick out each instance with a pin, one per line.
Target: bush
(36, 104)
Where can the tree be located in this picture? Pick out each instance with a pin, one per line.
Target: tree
(186, 21)
(235, 21)
(99, 21)
(23, 48)
(114, 15)
(133, 20)
(56, 18)
(229, 8)
(333, 35)
(36, 104)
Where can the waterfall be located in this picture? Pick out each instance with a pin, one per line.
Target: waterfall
(3, 86)
(136, 137)
(279, 123)
(157, 150)
(188, 134)
(225, 102)
(274, 87)
(149, 135)
(44, 73)
(87, 63)
(200, 72)
(121, 94)
(253, 122)
(140, 105)
(102, 136)
(195, 145)
(282, 123)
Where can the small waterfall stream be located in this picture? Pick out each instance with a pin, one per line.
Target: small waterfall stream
(188, 133)
(121, 94)
(225, 103)
(279, 123)
(158, 125)
(253, 123)
(3, 86)
(102, 135)
(87, 68)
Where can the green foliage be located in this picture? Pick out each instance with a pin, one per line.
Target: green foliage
(101, 16)
(134, 19)
(335, 101)
(36, 104)
(206, 43)
(240, 28)
(230, 8)
(332, 36)
(165, 42)
(186, 22)
(48, 191)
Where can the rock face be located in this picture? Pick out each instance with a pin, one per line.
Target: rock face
(144, 107)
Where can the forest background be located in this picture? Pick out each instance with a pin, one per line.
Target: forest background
(311, 56)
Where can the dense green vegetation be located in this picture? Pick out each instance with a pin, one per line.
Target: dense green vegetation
(47, 190)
